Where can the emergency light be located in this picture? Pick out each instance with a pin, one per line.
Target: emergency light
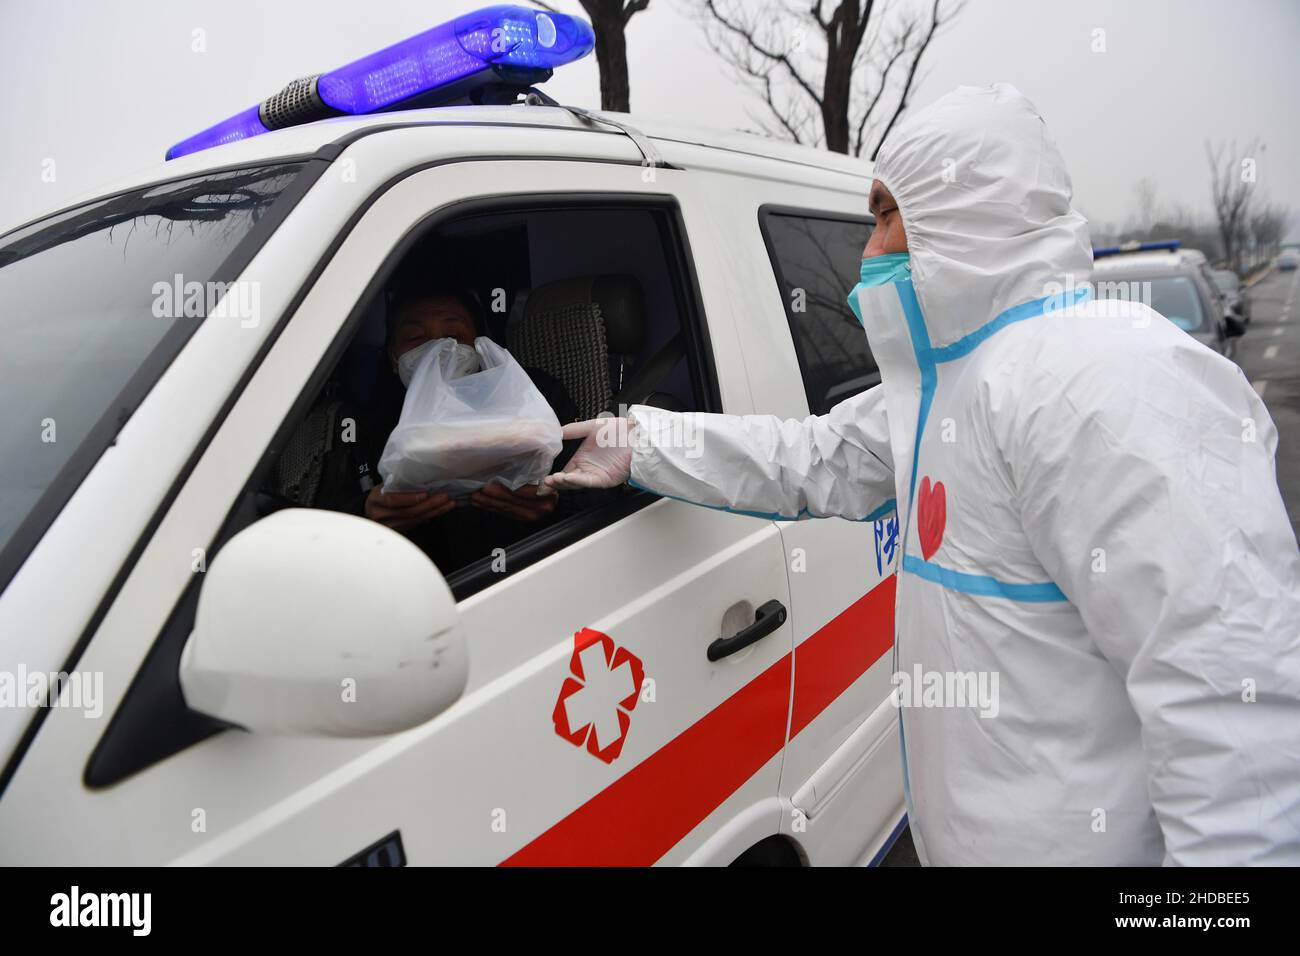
(1135, 246)
(489, 55)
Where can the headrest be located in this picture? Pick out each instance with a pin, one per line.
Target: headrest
(620, 300)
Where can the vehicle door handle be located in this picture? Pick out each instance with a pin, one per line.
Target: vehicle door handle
(766, 620)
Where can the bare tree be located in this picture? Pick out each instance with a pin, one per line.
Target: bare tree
(1144, 201)
(1232, 191)
(1266, 227)
(609, 20)
(868, 61)
(1178, 221)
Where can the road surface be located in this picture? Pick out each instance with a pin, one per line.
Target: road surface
(1269, 353)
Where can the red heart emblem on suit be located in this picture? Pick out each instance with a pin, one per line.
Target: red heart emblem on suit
(931, 516)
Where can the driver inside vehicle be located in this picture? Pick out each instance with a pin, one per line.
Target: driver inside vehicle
(332, 459)
(423, 317)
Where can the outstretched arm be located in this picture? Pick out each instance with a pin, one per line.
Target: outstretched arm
(837, 464)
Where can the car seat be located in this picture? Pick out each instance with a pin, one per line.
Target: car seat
(587, 332)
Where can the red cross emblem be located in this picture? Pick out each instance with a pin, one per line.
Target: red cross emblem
(596, 701)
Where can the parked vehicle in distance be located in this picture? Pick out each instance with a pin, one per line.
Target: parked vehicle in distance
(1176, 283)
(1234, 292)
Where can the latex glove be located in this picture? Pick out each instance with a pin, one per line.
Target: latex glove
(603, 460)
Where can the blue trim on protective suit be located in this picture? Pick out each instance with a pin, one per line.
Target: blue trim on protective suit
(981, 584)
(1017, 313)
(929, 377)
(927, 360)
(880, 512)
(928, 357)
(886, 508)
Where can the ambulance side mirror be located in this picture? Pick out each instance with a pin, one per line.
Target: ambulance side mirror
(316, 623)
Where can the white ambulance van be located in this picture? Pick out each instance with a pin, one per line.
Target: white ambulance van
(196, 670)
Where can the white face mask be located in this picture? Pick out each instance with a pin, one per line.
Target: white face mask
(456, 358)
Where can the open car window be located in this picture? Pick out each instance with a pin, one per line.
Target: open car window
(591, 299)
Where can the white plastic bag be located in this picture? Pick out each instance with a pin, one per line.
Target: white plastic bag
(458, 432)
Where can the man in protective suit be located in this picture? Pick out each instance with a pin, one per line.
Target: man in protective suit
(1099, 522)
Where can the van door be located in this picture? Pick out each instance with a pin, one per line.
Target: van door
(791, 266)
(842, 774)
(594, 728)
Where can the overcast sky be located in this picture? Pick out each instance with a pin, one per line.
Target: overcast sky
(103, 87)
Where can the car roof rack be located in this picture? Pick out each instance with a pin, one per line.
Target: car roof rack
(650, 154)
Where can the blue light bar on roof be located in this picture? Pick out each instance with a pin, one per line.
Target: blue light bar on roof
(514, 47)
(1166, 244)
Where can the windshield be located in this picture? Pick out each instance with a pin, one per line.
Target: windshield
(93, 304)
(1174, 297)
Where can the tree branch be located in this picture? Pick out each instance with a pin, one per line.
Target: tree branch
(911, 76)
(747, 36)
(632, 8)
(899, 49)
(816, 13)
(862, 24)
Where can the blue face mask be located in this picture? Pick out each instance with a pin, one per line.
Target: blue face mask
(880, 270)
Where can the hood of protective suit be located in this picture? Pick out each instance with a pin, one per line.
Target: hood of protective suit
(985, 200)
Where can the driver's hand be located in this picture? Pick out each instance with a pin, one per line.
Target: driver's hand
(524, 504)
(401, 510)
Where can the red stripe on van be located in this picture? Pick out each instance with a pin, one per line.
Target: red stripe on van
(832, 659)
(647, 811)
(641, 815)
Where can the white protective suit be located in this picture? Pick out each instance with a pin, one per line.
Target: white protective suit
(1114, 546)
